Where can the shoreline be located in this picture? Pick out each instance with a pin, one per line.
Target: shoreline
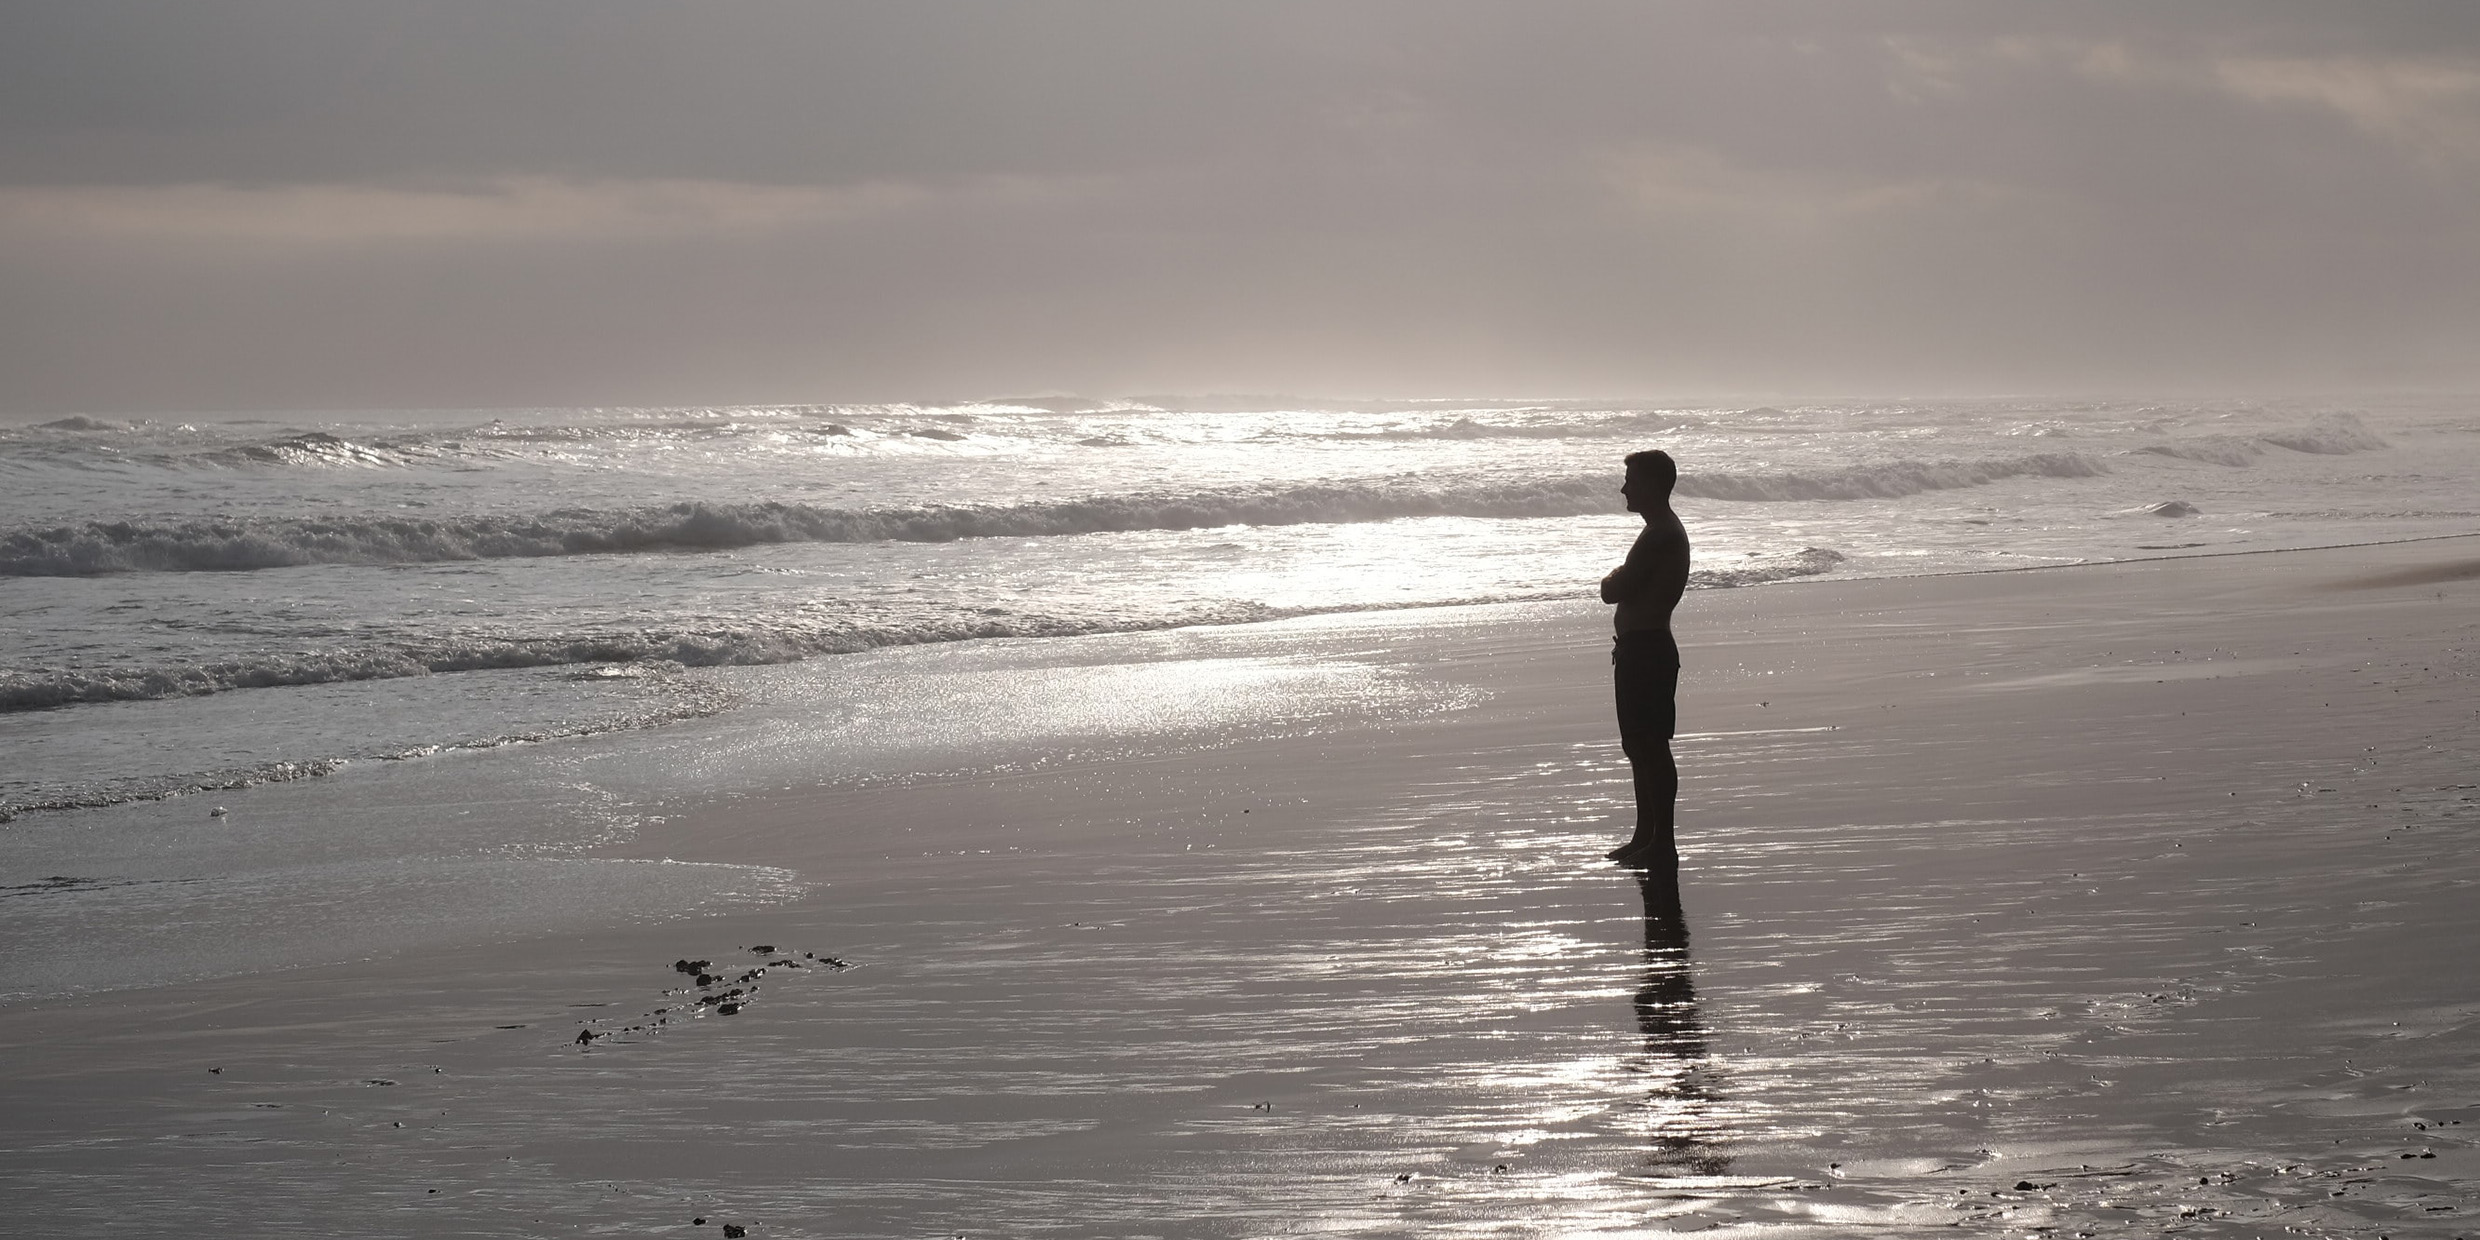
(663, 715)
(1975, 863)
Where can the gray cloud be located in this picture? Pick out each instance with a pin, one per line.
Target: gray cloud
(251, 204)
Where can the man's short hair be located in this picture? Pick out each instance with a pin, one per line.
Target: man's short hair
(1654, 466)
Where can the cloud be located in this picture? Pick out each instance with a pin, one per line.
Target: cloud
(629, 200)
(2428, 106)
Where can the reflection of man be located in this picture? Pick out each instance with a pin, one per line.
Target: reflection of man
(1645, 660)
(1683, 1113)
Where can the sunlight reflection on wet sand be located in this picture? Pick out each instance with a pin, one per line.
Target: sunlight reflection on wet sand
(1963, 962)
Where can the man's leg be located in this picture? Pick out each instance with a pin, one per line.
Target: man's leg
(1646, 682)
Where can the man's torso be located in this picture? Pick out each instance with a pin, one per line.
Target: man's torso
(1661, 552)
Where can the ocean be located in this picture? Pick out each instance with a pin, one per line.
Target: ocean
(289, 688)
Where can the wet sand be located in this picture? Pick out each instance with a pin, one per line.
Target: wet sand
(2116, 900)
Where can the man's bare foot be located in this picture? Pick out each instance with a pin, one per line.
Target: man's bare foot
(1643, 852)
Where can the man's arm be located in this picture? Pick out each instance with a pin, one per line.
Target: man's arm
(1624, 580)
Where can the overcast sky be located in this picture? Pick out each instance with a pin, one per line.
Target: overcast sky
(223, 204)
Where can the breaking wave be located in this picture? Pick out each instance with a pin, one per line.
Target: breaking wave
(227, 545)
(2333, 434)
(313, 448)
(241, 544)
(775, 641)
(1467, 428)
(715, 647)
(1892, 480)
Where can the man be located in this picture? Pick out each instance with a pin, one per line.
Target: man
(1645, 660)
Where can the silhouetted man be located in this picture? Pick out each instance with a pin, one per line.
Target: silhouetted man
(1645, 661)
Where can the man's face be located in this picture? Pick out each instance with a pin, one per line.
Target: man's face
(1635, 490)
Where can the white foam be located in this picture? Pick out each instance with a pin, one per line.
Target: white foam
(1891, 480)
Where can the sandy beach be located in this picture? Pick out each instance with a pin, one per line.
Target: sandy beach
(2110, 900)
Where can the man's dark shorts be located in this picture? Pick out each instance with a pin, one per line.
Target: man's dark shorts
(1644, 669)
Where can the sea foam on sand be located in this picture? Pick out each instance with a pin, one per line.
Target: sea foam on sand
(2110, 900)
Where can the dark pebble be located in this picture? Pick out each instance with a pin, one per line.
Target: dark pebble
(585, 1037)
(764, 949)
(728, 1009)
(734, 1231)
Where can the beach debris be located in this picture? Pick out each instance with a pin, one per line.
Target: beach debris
(218, 812)
(699, 1221)
(215, 1072)
(734, 1231)
(743, 990)
(2175, 508)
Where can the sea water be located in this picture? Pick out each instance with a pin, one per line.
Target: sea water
(381, 615)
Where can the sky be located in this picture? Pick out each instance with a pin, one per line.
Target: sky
(340, 204)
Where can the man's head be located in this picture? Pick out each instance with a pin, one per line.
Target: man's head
(1650, 477)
